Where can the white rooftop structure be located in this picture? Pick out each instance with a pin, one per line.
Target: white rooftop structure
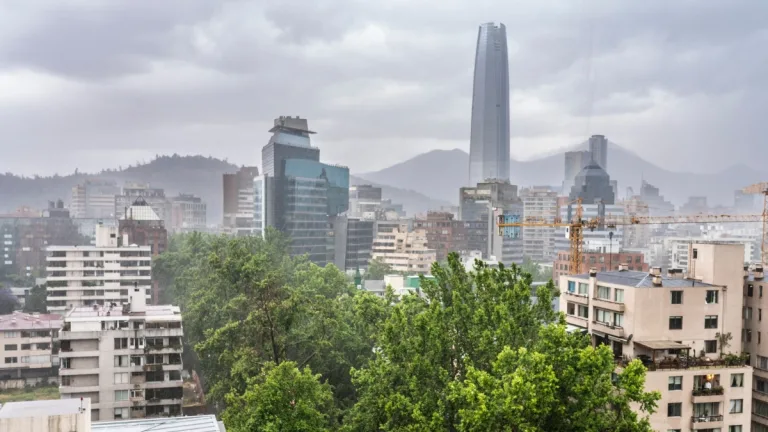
(62, 415)
(199, 423)
(140, 210)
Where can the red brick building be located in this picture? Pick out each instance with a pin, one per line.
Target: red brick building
(444, 234)
(600, 261)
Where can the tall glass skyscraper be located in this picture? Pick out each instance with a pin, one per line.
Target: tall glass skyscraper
(489, 139)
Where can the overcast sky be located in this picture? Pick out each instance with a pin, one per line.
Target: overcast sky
(91, 84)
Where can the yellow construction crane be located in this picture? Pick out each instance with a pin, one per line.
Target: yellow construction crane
(577, 226)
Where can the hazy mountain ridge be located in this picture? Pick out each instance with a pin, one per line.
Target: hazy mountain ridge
(440, 174)
(198, 175)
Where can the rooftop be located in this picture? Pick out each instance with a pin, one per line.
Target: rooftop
(24, 321)
(86, 313)
(639, 279)
(199, 423)
(142, 211)
(42, 408)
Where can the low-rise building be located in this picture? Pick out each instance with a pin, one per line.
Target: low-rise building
(634, 261)
(671, 323)
(27, 347)
(125, 358)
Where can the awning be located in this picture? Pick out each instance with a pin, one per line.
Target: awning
(570, 328)
(662, 345)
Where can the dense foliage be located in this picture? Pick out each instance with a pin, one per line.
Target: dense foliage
(286, 345)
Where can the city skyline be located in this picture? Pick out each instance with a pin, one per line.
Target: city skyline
(164, 80)
(489, 136)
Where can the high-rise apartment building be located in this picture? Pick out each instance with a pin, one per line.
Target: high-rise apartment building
(125, 357)
(539, 203)
(27, 347)
(353, 242)
(297, 194)
(188, 213)
(239, 201)
(94, 199)
(670, 322)
(154, 197)
(364, 201)
(489, 135)
(598, 150)
(404, 251)
(96, 275)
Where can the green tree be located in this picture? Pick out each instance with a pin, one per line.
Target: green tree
(8, 302)
(478, 353)
(36, 300)
(281, 398)
(534, 269)
(377, 269)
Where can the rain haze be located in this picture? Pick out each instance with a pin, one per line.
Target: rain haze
(106, 84)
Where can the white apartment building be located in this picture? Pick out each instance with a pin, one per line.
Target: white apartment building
(27, 347)
(125, 358)
(539, 242)
(404, 251)
(96, 275)
(676, 249)
(599, 235)
(670, 323)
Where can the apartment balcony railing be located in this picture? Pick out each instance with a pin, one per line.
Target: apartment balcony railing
(686, 362)
(714, 391)
(608, 328)
(707, 419)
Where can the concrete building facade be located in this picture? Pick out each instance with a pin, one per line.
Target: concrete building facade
(602, 261)
(239, 201)
(364, 201)
(189, 213)
(670, 323)
(94, 199)
(353, 242)
(27, 347)
(444, 234)
(125, 358)
(404, 251)
(96, 275)
(539, 203)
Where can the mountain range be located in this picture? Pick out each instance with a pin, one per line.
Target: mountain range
(440, 173)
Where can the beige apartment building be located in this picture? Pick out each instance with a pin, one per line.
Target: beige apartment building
(670, 322)
(27, 352)
(404, 251)
(754, 291)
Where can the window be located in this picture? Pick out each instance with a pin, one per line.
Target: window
(675, 323)
(748, 334)
(583, 289)
(710, 322)
(121, 361)
(761, 385)
(710, 346)
(711, 296)
(618, 295)
(762, 362)
(674, 409)
(121, 378)
(571, 309)
(603, 293)
(11, 360)
(737, 380)
(583, 311)
(11, 334)
(26, 347)
(677, 297)
(675, 383)
(750, 290)
(174, 375)
(602, 316)
(618, 320)
(137, 393)
(121, 395)
(747, 312)
(11, 347)
(761, 291)
(734, 428)
(759, 338)
(736, 406)
(121, 343)
(695, 253)
(571, 286)
(121, 413)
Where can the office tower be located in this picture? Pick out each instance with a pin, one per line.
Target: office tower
(125, 357)
(364, 201)
(539, 203)
(297, 194)
(27, 347)
(94, 199)
(489, 135)
(657, 205)
(188, 213)
(575, 161)
(598, 149)
(239, 201)
(672, 325)
(592, 184)
(154, 197)
(96, 275)
(353, 242)
(404, 251)
(485, 203)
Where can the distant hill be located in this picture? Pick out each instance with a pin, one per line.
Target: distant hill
(440, 174)
(176, 174)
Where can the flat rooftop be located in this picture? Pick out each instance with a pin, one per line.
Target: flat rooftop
(199, 423)
(117, 311)
(42, 408)
(640, 279)
(24, 321)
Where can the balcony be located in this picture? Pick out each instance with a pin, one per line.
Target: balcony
(79, 335)
(704, 395)
(152, 367)
(608, 328)
(685, 362)
(577, 298)
(608, 305)
(707, 422)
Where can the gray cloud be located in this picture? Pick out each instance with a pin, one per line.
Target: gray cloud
(680, 83)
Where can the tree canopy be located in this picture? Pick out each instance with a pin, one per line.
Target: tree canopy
(283, 344)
